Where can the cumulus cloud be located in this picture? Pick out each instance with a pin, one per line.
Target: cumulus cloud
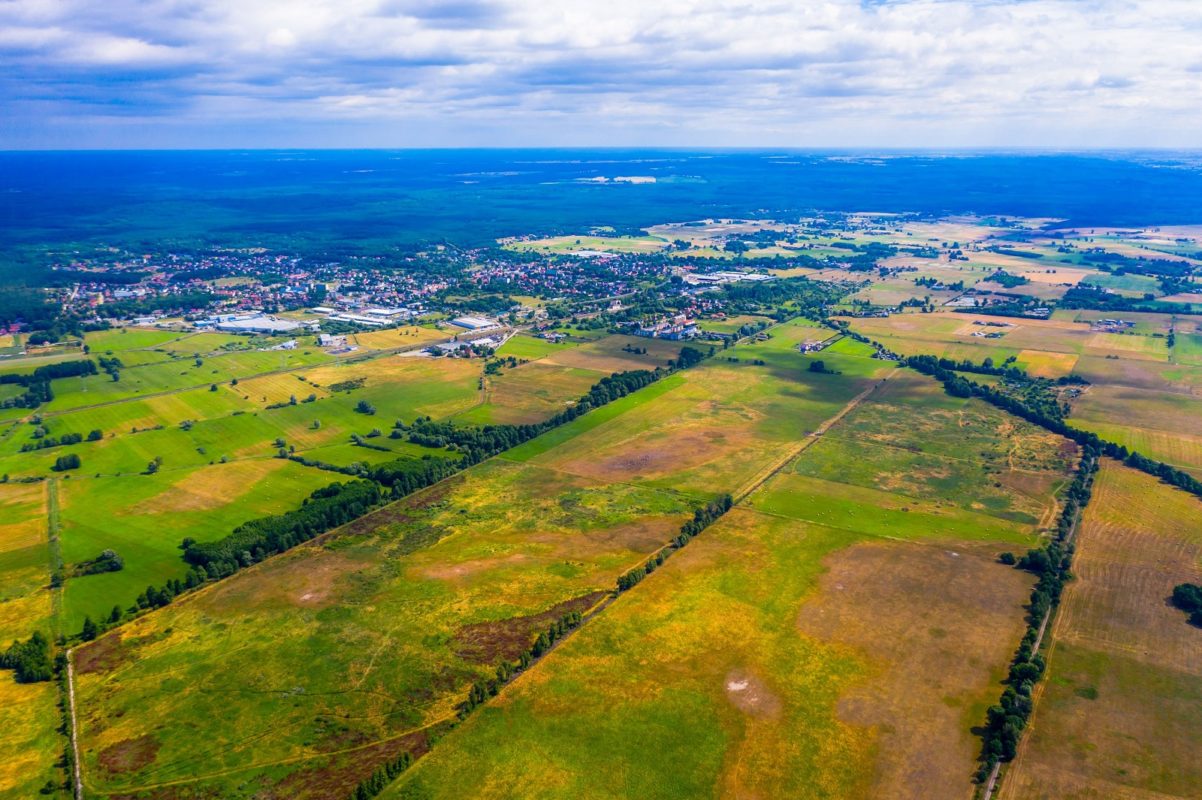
(513, 72)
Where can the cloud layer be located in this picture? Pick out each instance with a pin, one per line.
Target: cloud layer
(904, 73)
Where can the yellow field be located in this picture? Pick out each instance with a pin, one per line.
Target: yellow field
(280, 388)
(1048, 365)
(393, 338)
(29, 744)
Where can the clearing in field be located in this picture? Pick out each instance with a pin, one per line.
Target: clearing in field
(1118, 714)
(530, 393)
(403, 337)
(585, 245)
(617, 354)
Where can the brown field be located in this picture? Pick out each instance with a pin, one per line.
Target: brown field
(533, 392)
(1139, 408)
(1119, 714)
(211, 486)
(936, 653)
(606, 355)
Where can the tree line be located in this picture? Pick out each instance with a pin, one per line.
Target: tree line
(702, 519)
(959, 386)
(340, 503)
(37, 383)
(251, 542)
(479, 443)
(1006, 720)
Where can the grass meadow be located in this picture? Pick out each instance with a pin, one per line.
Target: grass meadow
(810, 644)
(30, 745)
(413, 602)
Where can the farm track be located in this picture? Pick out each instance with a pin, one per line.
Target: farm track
(762, 477)
(771, 470)
(77, 777)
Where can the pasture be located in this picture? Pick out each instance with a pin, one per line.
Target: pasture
(29, 742)
(779, 655)
(144, 518)
(1118, 714)
(404, 595)
(367, 638)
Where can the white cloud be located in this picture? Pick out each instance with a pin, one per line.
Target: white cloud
(906, 72)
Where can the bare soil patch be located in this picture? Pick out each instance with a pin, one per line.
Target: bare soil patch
(103, 655)
(751, 695)
(129, 755)
(493, 642)
(337, 776)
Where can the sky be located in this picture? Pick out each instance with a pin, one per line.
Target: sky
(1069, 74)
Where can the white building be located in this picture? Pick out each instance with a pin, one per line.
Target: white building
(475, 323)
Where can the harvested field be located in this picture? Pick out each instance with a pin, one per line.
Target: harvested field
(1118, 714)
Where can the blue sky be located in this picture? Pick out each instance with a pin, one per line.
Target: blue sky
(398, 73)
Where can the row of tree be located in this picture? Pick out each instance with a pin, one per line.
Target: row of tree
(482, 690)
(383, 775)
(37, 383)
(1006, 720)
(251, 542)
(479, 443)
(702, 519)
(959, 386)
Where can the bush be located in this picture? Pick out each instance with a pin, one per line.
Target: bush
(29, 659)
(64, 463)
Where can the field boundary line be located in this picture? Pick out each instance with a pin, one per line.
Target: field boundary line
(289, 760)
(56, 555)
(773, 468)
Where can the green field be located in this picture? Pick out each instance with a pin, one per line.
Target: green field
(30, 745)
(773, 655)
(145, 517)
(507, 541)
